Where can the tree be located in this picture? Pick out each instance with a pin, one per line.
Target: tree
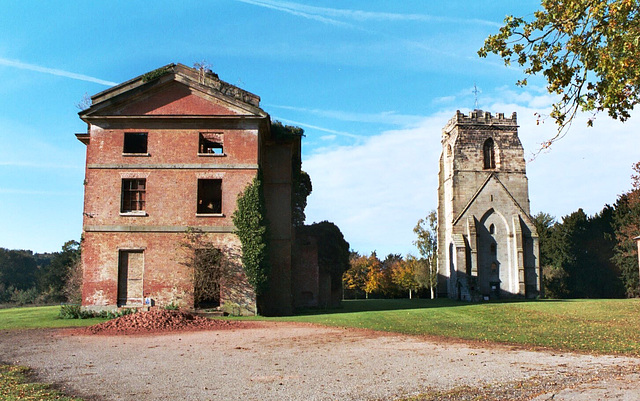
(364, 274)
(626, 219)
(53, 277)
(403, 274)
(427, 244)
(356, 276)
(587, 50)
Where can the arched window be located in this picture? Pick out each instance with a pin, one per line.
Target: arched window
(488, 151)
(492, 229)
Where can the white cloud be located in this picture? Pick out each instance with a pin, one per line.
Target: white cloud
(328, 137)
(52, 71)
(376, 190)
(385, 117)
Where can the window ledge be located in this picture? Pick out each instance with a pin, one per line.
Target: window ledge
(136, 155)
(136, 213)
(212, 154)
(209, 215)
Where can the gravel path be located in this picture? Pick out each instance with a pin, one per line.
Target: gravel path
(290, 361)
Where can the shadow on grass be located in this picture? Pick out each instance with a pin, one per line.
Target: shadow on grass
(376, 305)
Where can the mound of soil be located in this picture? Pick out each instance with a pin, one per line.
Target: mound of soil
(159, 320)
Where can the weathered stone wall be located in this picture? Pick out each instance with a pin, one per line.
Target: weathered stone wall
(484, 210)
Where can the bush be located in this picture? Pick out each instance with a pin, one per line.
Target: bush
(74, 311)
(22, 297)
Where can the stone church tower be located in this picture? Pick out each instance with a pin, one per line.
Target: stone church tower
(487, 242)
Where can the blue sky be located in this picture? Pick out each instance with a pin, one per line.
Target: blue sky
(371, 82)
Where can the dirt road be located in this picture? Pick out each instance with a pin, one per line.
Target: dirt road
(282, 361)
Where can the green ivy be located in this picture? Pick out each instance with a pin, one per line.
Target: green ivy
(251, 228)
(157, 73)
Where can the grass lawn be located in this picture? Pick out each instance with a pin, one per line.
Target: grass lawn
(607, 326)
(39, 317)
(15, 385)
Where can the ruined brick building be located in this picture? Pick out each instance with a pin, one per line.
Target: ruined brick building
(171, 150)
(487, 242)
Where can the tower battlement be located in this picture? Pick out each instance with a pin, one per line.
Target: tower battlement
(480, 117)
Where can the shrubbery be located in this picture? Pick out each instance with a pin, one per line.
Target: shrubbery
(74, 311)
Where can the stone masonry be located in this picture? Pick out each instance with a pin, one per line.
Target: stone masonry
(487, 242)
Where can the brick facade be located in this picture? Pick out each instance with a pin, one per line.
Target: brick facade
(139, 202)
(487, 243)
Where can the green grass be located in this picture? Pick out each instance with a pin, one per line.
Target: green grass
(14, 385)
(39, 317)
(599, 326)
(605, 326)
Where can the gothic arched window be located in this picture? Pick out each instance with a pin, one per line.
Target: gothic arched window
(488, 151)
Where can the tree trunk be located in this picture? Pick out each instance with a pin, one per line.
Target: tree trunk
(409, 293)
(433, 296)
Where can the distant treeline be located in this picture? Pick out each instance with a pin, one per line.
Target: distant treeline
(40, 278)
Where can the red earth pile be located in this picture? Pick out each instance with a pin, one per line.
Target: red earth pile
(159, 320)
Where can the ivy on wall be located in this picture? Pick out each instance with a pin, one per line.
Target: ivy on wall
(251, 228)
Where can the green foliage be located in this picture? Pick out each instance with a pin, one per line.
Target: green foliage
(599, 326)
(301, 190)
(157, 73)
(333, 250)
(171, 306)
(427, 243)
(251, 227)
(588, 51)
(576, 256)
(16, 385)
(75, 311)
(54, 276)
(626, 219)
(18, 269)
(285, 133)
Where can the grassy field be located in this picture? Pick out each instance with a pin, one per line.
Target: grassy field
(39, 317)
(600, 326)
(606, 326)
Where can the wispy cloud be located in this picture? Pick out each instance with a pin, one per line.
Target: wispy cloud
(295, 9)
(53, 71)
(315, 127)
(385, 117)
(332, 15)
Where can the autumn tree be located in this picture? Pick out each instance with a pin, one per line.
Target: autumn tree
(403, 274)
(355, 277)
(427, 243)
(588, 51)
(365, 274)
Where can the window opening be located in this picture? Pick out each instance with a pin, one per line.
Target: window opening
(133, 195)
(209, 196)
(488, 151)
(492, 229)
(135, 142)
(210, 143)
